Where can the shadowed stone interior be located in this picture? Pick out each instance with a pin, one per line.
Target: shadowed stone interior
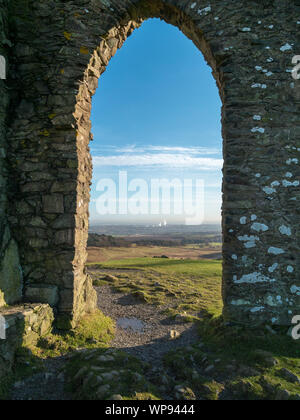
(56, 51)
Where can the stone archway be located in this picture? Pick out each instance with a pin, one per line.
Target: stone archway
(57, 62)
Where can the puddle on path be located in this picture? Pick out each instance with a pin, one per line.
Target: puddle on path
(131, 323)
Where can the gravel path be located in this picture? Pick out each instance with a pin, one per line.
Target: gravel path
(154, 341)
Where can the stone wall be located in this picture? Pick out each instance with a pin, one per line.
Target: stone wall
(62, 48)
(10, 270)
(24, 326)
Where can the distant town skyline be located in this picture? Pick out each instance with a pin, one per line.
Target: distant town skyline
(157, 114)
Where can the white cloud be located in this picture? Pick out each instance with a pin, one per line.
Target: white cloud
(185, 150)
(166, 156)
(162, 159)
(153, 149)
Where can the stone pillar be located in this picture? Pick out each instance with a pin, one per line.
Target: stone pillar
(10, 270)
(261, 129)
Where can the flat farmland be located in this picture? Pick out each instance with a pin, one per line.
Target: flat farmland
(188, 252)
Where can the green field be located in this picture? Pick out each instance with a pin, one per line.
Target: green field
(187, 287)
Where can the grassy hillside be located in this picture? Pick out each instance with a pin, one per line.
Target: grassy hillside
(187, 287)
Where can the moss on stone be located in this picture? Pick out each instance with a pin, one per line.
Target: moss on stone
(93, 331)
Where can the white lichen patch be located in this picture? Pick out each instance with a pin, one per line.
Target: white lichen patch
(295, 290)
(204, 11)
(290, 269)
(243, 220)
(253, 278)
(257, 117)
(285, 230)
(275, 184)
(257, 309)
(250, 241)
(286, 47)
(273, 268)
(259, 85)
(234, 257)
(259, 227)
(290, 161)
(269, 190)
(287, 184)
(240, 302)
(275, 251)
(258, 130)
(253, 217)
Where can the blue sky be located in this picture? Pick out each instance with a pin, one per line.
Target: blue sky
(157, 114)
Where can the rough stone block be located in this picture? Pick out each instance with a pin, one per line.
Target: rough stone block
(42, 293)
(53, 203)
(24, 325)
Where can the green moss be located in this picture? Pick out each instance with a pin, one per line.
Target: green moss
(209, 390)
(93, 331)
(6, 383)
(264, 355)
(95, 326)
(100, 374)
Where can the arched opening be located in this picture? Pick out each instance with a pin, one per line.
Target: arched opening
(152, 115)
(154, 118)
(101, 58)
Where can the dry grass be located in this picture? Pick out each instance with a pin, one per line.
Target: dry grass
(192, 252)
